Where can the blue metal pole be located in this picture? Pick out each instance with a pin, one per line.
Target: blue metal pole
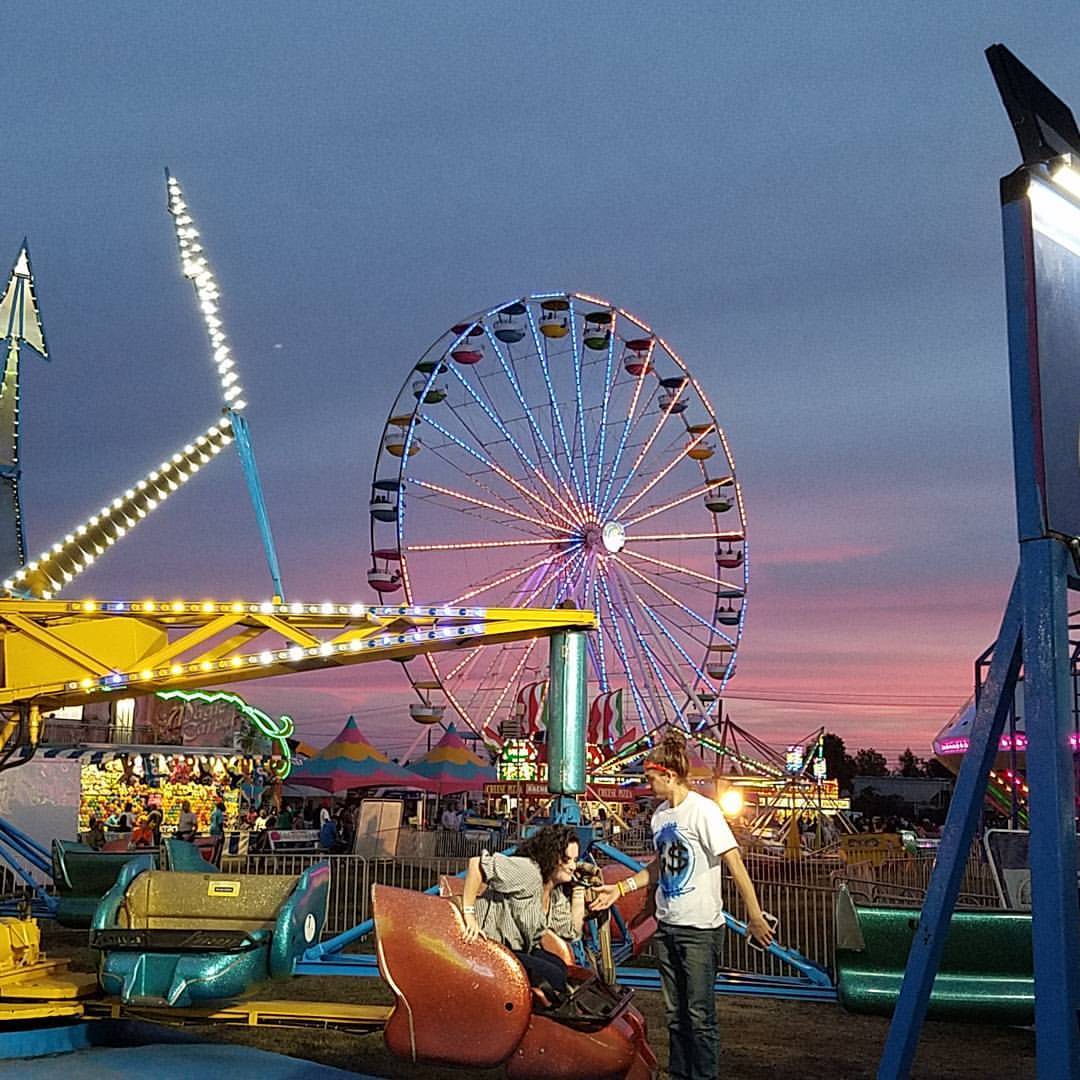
(1034, 281)
(956, 838)
(566, 707)
(1052, 809)
(254, 485)
(26, 846)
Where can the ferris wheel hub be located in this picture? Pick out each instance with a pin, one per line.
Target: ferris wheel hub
(613, 536)
(608, 539)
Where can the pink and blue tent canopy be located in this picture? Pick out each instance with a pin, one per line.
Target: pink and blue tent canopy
(350, 761)
(452, 766)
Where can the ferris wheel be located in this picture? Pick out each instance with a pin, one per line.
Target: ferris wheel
(556, 450)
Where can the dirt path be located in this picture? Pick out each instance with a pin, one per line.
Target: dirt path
(763, 1039)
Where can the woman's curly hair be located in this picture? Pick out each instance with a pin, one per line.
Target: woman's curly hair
(547, 847)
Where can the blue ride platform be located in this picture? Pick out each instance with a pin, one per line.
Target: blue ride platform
(103, 1050)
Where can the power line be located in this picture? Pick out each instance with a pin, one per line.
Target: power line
(809, 697)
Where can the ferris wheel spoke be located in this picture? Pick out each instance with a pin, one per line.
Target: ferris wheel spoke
(499, 471)
(656, 619)
(510, 575)
(710, 626)
(451, 493)
(470, 545)
(608, 384)
(719, 582)
(510, 371)
(458, 668)
(658, 713)
(600, 650)
(532, 470)
(702, 676)
(663, 415)
(511, 683)
(680, 456)
(569, 580)
(459, 471)
(551, 576)
(680, 500)
(727, 537)
(631, 682)
(525, 459)
(639, 381)
(655, 662)
(468, 514)
(556, 412)
(579, 411)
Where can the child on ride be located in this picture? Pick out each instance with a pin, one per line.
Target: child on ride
(526, 894)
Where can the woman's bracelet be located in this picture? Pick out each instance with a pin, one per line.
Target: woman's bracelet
(469, 909)
(627, 885)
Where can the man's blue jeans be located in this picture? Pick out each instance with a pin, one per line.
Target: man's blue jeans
(687, 958)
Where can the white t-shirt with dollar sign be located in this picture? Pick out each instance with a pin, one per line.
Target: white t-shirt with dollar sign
(690, 840)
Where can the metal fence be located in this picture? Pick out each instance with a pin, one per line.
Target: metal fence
(902, 882)
(351, 878)
(801, 893)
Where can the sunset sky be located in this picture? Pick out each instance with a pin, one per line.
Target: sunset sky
(802, 200)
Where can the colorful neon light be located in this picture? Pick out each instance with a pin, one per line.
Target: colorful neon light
(277, 731)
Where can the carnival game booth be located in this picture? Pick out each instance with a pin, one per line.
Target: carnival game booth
(152, 778)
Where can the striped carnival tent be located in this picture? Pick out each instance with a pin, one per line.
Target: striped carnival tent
(452, 766)
(350, 761)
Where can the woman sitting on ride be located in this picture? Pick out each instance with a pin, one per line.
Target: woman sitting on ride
(527, 893)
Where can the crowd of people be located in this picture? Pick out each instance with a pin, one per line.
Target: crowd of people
(141, 825)
(894, 823)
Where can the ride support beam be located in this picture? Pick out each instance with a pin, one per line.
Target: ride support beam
(59, 653)
(962, 821)
(567, 704)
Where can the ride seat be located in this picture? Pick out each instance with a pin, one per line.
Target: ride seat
(482, 978)
(163, 900)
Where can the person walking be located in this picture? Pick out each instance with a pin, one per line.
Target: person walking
(217, 831)
(694, 845)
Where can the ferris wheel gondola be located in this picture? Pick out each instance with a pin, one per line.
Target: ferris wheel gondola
(568, 456)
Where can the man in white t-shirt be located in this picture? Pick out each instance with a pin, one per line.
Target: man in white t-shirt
(691, 840)
(694, 846)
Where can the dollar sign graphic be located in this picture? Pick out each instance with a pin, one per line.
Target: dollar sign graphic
(677, 859)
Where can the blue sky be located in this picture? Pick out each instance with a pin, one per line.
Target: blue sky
(802, 200)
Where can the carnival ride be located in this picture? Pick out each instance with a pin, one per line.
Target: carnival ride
(184, 938)
(489, 405)
(555, 449)
(180, 938)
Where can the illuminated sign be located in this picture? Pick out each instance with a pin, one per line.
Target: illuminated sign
(518, 760)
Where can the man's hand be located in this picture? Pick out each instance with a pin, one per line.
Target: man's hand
(760, 930)
(603, 897)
